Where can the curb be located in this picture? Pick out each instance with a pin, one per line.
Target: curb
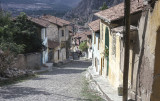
(40, 71)
(103, 85)
(100, 89)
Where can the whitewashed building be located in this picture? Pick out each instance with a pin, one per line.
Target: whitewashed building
(58, 35)
(42, 25)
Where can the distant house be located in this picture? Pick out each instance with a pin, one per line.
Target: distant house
(83, 37)
(58, 37)
(95, 28)
(89, 43)
(42, 25)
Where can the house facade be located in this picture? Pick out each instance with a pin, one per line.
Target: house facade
(45, 43)
(58, 37)
(80, 37)
(104, 45)
(144, 46)
(42, 25)
(95, 28)
(145, 80)
(111, 65)
(89, 44)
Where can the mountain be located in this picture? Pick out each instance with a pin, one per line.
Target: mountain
(39, 7)
(85, 10)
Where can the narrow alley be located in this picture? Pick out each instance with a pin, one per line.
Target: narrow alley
(61, 84)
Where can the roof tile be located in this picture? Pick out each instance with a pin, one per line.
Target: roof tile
(95, 25)
(117, 11)
(55, 20)
(39, 21)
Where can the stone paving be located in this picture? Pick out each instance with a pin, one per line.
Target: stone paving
(60, 84)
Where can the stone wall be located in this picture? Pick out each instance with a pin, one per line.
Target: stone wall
(66, 34)
(28, 61)
(33, 60)
(52, 33)
(146, 65)
(20, 62)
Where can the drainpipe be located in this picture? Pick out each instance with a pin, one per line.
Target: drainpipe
(126, 56)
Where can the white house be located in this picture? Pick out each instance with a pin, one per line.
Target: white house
(42, 25)
(58, 38)
(95, 28)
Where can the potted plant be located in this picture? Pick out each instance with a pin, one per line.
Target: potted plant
(106, 52)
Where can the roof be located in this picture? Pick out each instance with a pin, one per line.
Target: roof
(55, 20)
(117, 12)
(53, 44)
(83, 38)
(88, 32)
(120, 29)
(70, 28)
(39, 21)
(95, 25)
(82, 34)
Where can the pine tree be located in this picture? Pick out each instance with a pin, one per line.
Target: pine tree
(104, 6)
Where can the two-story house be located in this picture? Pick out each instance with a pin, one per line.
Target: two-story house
(42, 25)
(80, 37)
(143, 74)
(110, 40)
(58, 38)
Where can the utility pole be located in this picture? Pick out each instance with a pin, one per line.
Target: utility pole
(127, 44)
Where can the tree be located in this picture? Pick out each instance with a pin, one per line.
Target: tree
(27, 34)
(19, 35)
(12, 47)
(6, 29)
(6, 60)
(83, 46)
(104, 6)
(6, 35)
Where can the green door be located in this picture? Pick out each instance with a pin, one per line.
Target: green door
(107, 45)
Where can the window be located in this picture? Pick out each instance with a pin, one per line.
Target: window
(45, 33)
(58, 54)
(98, 43)
(103, 61)
(94, 38)
(102, 33)
(62, 32)
(114, 45)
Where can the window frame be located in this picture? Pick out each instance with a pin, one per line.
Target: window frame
(62, 33)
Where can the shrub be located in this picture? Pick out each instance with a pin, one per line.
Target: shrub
(106, 52)
(104, 6)
(83, 46)
(6, 60)
(27, 34)
(12, 47)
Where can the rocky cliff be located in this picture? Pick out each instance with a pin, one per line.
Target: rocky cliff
(39, 7)
(85, 10)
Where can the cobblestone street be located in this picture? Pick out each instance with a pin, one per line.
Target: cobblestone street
(61, 84)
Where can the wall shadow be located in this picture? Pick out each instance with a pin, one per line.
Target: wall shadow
(16, 92)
